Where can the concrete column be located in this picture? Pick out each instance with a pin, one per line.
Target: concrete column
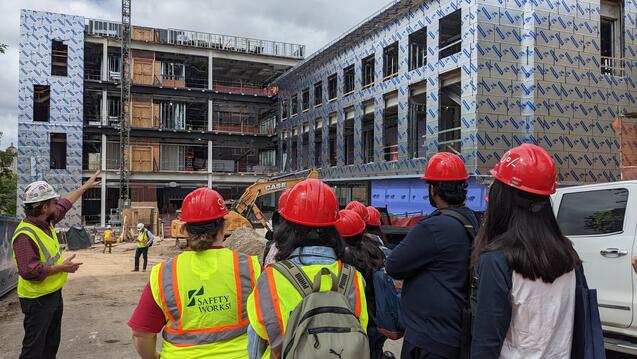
(209, 156)
(105, 60)
(103, 191)
(379, 119)
(104, 107)
(210, 71)
(209, 180)
(209, 115)
(358, 133)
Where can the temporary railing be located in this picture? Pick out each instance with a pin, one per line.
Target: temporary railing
(205, 40)
(451, 48)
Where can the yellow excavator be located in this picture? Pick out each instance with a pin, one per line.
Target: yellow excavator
(237, 218)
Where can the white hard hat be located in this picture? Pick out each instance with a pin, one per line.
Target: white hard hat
(39, 191)
(140, 226)
(109, 226)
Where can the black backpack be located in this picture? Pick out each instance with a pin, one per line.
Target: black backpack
(467, 310)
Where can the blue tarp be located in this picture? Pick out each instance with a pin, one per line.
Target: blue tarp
(8, 270)
(402, 196)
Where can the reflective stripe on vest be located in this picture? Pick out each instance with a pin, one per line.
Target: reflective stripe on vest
(169, 294)
(47, 256)
(269, 310)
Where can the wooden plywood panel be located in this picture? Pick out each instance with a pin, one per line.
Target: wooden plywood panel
(174, 83)
(142, 114)
(156, 122)
(142, 34)
(143, 71)
(141, 158)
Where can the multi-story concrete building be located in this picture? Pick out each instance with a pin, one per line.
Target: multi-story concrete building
(470, 77)
(202, 110)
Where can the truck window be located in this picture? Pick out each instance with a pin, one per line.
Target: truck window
(593, 212)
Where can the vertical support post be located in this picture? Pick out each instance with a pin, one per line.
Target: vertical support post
(340, 138)
(104, 59)
(358, 133)
(403, 123)
(104, 113)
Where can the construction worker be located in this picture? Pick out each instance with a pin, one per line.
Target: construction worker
(433, 261)
(42, 270)
(372, 229)
(198, 297)
(143, 240)
(526, 268)
(366, 256)
(358, 208)
(307, 237)
(108, 239)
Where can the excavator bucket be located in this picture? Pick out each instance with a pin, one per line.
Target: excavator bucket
(234, 220)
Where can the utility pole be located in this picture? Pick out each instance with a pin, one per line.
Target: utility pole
(125, 97)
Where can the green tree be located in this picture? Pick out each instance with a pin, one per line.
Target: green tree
(8, 184)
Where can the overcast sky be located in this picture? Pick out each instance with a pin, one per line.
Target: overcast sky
(310, 22)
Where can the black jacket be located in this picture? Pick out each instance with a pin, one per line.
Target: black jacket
(433, 261)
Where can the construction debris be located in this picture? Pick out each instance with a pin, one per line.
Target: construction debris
(248, 241)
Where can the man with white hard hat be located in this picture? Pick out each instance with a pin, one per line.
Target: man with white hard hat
(144, 240)
(42, 269)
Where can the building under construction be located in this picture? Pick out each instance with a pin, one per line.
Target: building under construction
(473, 78)
(202, 111)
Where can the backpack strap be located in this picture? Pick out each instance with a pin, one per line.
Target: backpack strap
(468, 226)
(345, 278)
(295, 275)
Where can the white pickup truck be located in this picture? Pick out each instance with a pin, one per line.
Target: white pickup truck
(601, 220)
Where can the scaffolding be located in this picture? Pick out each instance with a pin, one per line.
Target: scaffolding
(626, 128)
(125, 98)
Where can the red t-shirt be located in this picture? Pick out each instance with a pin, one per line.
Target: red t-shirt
(148, 316)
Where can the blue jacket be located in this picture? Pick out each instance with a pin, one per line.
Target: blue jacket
(433, 261)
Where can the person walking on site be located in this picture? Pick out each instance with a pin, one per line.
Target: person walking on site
(309, 245)
(526, 268)
(144, 240)
(108, 239)
(42, 270)
(198, 297)
(366, 256)
(433, 261)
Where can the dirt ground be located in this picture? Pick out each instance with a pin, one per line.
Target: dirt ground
(98, 301)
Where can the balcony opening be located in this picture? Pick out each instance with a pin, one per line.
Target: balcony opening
(369, 68)
(390, 129)
(611, 34)
(318, 143)
(112, 155)
(172, 115)
(114, 110)
(450, 125)
(234, 157)
(92, 107)
(417, 129)
(332, 87)
(418, 49)
(92, 152)
(236, 117)
(41, 103)
(332, 140)
(57, 151)
(267, 160)
(305, 99)
(285, 108)
(450, 34)
(318, 93)
(368, 133)
(348, 83)
(348, 136)
(305, 148)
(295, 105)
(59, 58)
(390, 61)
(173, 74)
(187, 158)
(114, 64)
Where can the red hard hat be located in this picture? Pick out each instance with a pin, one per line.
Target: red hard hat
(358, 208)
(310, 203)
(349, 223)
(445, 166)
(528, 168)
(202, 205)
(374, 216)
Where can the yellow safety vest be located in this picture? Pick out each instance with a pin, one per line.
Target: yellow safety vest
(274, 299)
(203, 295)
(108, 235)
(142, 239)
(49, 251)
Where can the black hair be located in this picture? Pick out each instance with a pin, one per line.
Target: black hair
(289, 236)
(522, 226)
(374, 230)
(454, 193)
(364, 254)
(203, 234)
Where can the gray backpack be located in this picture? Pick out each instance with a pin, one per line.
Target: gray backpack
(323, 324)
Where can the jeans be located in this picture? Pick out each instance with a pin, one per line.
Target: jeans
(42, 326)
(138, 252)
(376, 343)
(410, 351)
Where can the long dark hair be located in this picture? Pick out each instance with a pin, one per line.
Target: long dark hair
(289, 236)
(203, 234)
(364, 254)
(523, 227)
